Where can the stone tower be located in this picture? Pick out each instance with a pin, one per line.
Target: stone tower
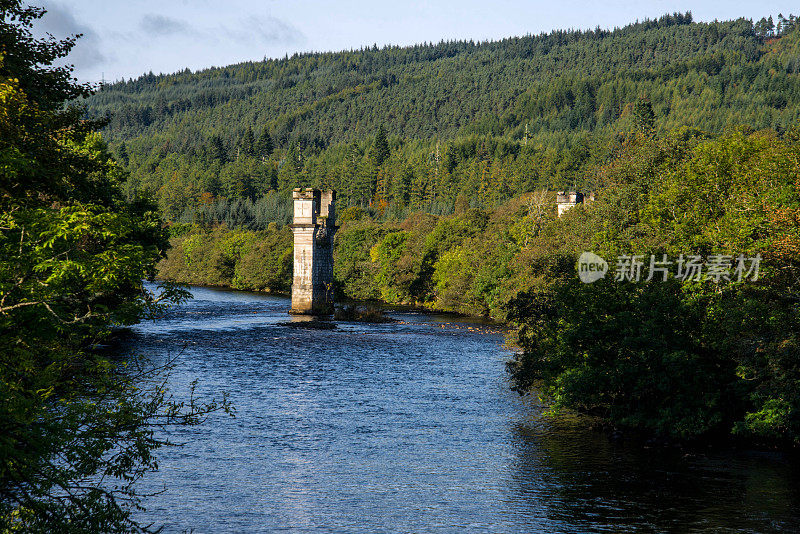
(314, 227)
(566, 200)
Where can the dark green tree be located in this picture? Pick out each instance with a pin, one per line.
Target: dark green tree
(30, 60)
(381, 147)
(264, 147)
(510, 115)
(122, 154)
(217, 150)
(644, 114)
(247, 144)
(77, 429)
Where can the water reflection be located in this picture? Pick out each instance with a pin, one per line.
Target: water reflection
(592, 484)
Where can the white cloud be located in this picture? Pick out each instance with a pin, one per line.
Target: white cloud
(60, 23)
(268, 30)
(160, 25)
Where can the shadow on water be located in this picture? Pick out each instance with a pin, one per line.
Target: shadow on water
(593, 484)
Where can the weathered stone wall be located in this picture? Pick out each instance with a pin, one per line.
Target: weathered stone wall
(314, 229)
(565, 201)
(303, 283)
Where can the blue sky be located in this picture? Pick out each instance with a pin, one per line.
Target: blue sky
(132, 37)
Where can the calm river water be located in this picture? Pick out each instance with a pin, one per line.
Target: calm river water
(410, 427)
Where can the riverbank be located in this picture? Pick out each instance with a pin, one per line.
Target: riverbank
(423, 261)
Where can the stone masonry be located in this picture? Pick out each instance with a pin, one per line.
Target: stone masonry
(566, 200)
(314, 227)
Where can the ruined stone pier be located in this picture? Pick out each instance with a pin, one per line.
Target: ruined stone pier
(314, 227)
(566, 200)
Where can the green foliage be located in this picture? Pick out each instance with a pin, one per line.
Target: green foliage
(454, 275)
(381, 148)
(681, 359)
(483, 130)
(645, 117)
(353, 269)
(260, 261)
(689, 358)
(30, 61)
(628, 353)
(394, 277)
(352, 213)
(77, 428)
(266, 263)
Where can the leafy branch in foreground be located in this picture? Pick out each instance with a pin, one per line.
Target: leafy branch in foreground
(78, 428)
(78, 454)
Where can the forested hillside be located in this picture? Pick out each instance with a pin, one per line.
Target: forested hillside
(446, 157)
(400, 129)
(681, 357)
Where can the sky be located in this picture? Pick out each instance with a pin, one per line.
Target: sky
(128, 38)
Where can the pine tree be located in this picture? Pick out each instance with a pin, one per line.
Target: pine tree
(290, 171)
(401, 187)
(122, 154)
(366, 178)
(264, 147)
(381, 147)
(216, 149)
(644, 114)
(247, 143)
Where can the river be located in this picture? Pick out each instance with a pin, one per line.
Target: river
(410, 426)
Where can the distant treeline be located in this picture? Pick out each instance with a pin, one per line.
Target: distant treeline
(404, 129)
